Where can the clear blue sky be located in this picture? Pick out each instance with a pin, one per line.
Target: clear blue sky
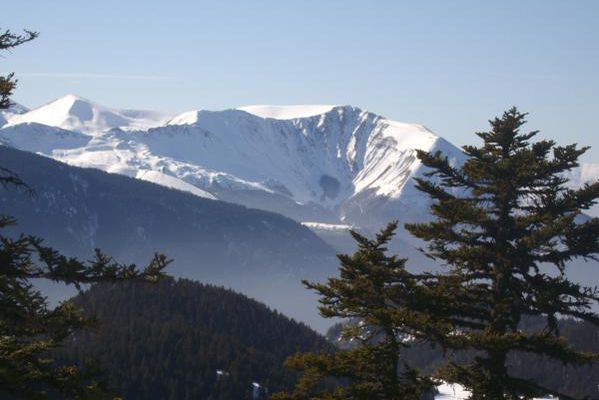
(450, 65)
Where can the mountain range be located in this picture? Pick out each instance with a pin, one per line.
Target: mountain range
(329, 168)
(337, 165)
(260, 253)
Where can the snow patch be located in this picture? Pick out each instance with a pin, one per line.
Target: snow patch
(320, 226)
(448, 391)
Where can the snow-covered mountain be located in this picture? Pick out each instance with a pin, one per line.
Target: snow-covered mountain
(75, 113)
(327, 164)
(337, 165)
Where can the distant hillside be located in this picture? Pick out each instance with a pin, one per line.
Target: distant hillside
(168, 340)
(259, 253)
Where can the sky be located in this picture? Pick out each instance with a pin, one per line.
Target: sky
(450, 65)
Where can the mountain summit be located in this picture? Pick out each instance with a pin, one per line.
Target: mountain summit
(72, 112)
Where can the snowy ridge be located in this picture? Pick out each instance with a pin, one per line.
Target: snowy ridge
(75, 113)
(287, 112)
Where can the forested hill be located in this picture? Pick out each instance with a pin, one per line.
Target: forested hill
(167, 341)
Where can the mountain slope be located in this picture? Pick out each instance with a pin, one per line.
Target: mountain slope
(168, 340)
(261, 254)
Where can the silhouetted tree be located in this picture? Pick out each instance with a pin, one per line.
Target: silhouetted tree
(506, 224)
(384, 299)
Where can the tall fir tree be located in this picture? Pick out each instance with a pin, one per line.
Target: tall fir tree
(506, 224)
(383, 298)
(29, 328)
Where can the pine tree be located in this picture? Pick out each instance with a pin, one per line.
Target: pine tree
(29, 328)
(506, 224)
(9, 40)
(377, 292)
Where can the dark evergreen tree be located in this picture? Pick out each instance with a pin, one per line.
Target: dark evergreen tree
(575, 381)
(506, 225)
(9, 40)
(375, 290)
(29, 328)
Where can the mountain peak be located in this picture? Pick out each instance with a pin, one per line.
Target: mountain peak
(70, 97)
(66, 102)
(76, 113)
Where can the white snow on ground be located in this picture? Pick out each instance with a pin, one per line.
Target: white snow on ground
(287, 112)
(456, 392)
(448, 391)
